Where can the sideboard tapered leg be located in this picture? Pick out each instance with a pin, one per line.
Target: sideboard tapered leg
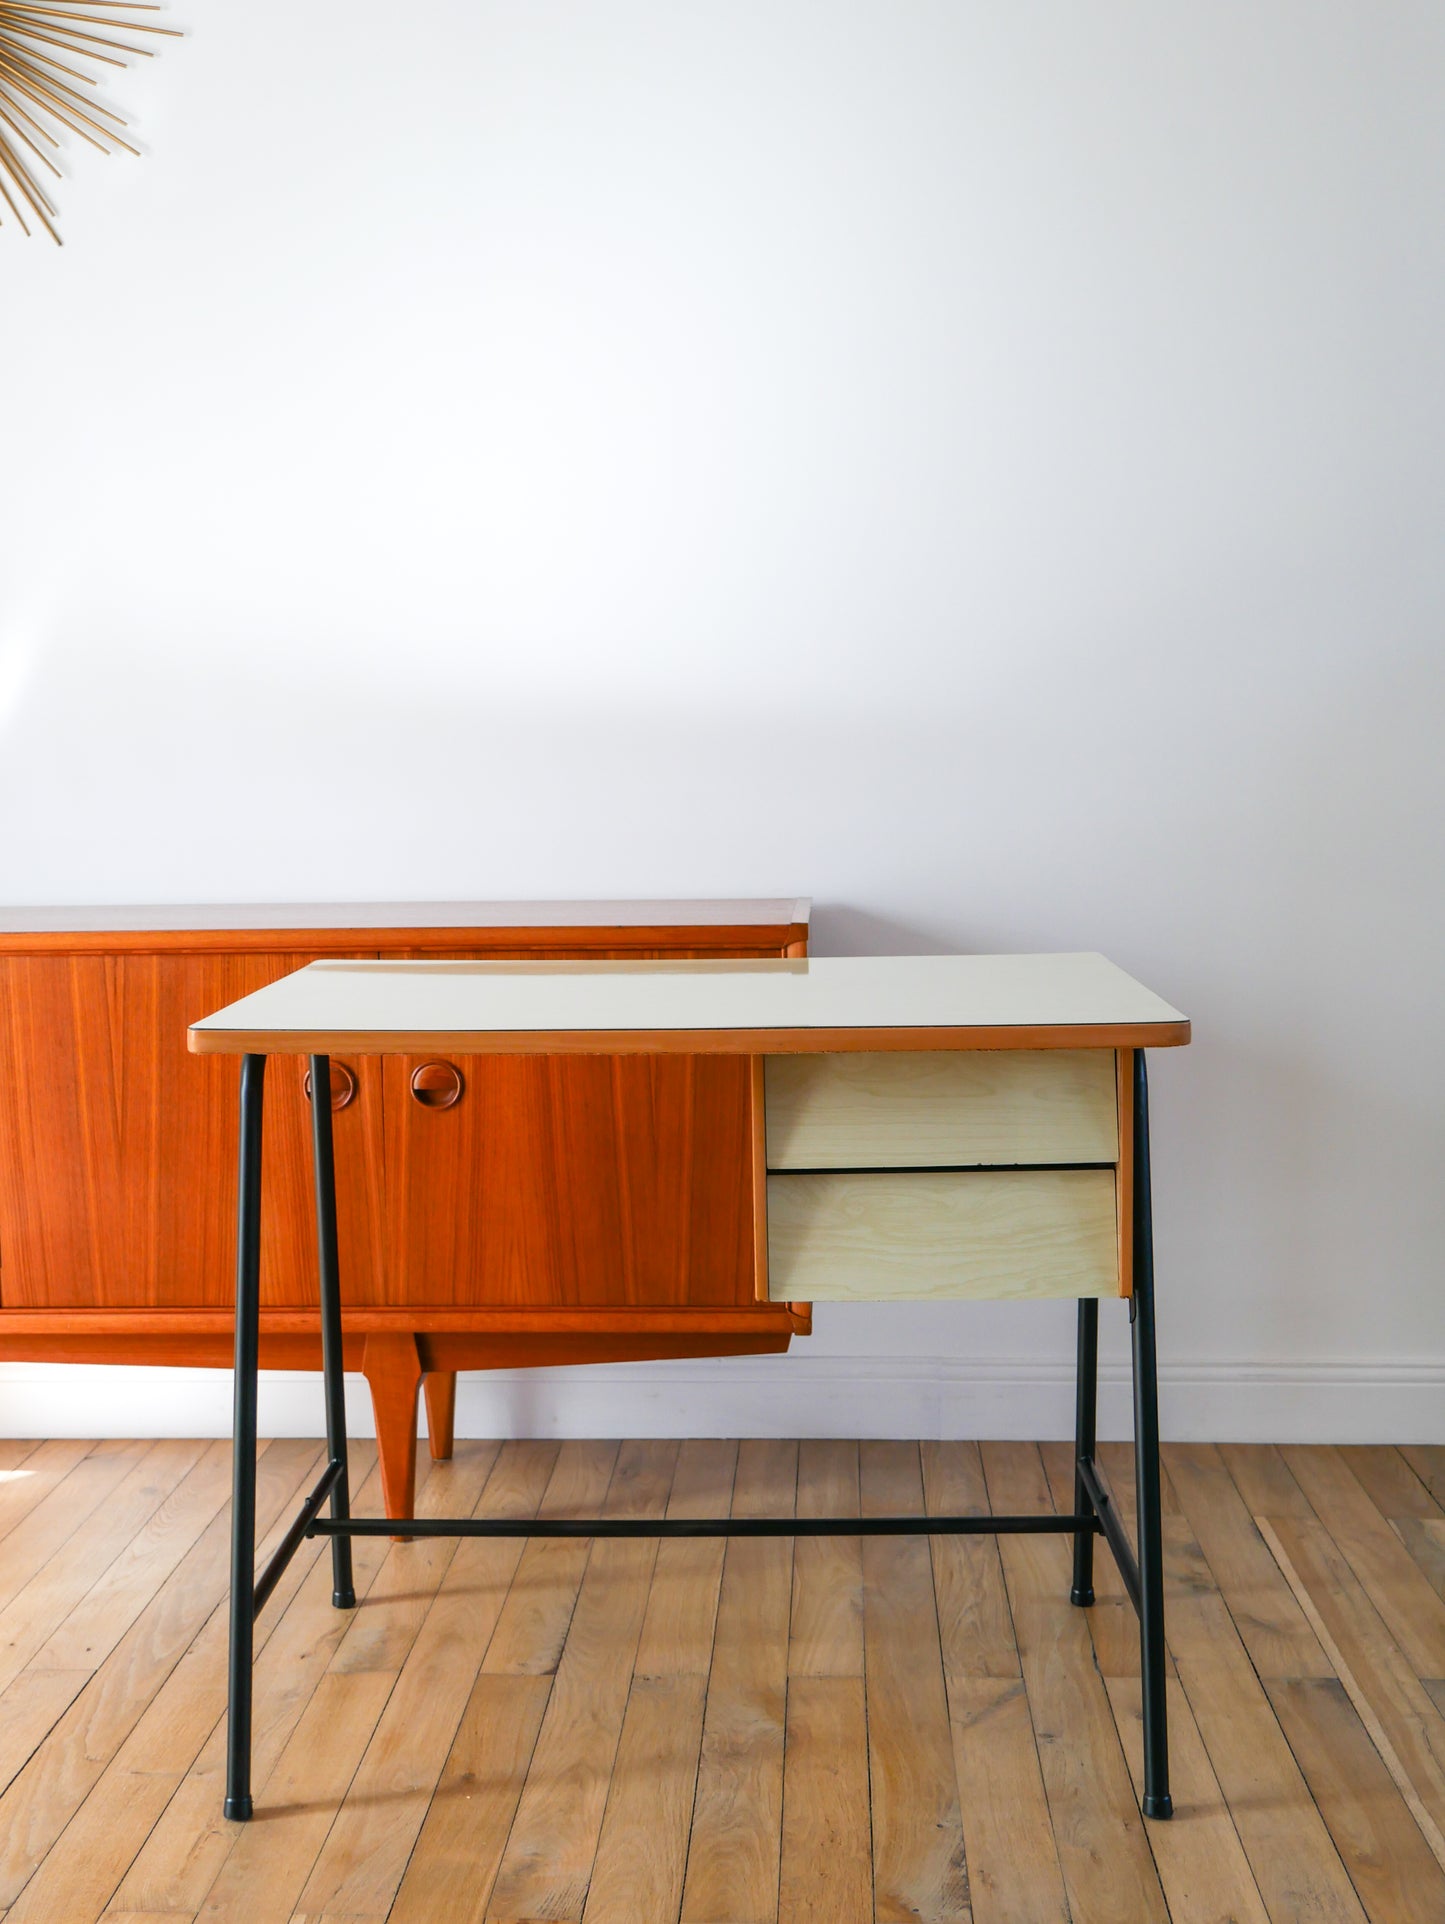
(440, 1391)
(391, 1365)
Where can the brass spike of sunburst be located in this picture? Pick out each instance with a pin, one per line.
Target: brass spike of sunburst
(38, 95)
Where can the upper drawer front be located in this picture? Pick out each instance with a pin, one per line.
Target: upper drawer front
(950, 1109)
(886, 1235)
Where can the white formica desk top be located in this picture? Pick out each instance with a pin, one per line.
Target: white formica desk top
(746, 1008)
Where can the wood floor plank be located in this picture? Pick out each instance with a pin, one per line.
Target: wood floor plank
(334, 1917)
(974, 1623)
(270, 1858)
(1263, 1479)
(85, 1562)
(137, 1786)
(826, 1630)
(737, 1691)
(1104, 1854)
(366, 1851)
(677, 1631)
(548, 1859)
(29, 1710)
(1201, 1862)
(65, 1502)
(918, 1861)
(1014, 1874)
(459, 1851)
(642, 1851)
(1388, 1696)
(1424, 1538)
(734, 1855)
(33, 1470)
(533, 1625)
(1427, 1460)
(259, 1880)
(1198, 1854)
(1279, 1640)
(1393, 1868)
(297, 1636)
(114, 1732)
(1388, 1480)
(460, 1848)
(170, 1735)
(1390, 1576)
(92, 1629)
(827, 1867)
(1295, 1864)
(145, 1917)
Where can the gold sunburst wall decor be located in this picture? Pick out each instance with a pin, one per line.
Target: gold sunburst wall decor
(44, 50)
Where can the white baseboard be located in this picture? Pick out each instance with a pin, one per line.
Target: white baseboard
(1378, 1401)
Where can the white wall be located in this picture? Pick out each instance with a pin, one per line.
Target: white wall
(980, 465)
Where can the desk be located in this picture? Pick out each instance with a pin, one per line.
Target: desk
(922, 1127)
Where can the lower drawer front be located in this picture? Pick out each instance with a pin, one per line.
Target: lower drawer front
(883, 1235)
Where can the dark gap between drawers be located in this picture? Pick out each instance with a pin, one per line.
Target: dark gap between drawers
(931, 1168)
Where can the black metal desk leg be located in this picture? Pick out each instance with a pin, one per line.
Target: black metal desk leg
(1157, 1802)
(343, 1594)
(243, 1442)
(1086, 1405)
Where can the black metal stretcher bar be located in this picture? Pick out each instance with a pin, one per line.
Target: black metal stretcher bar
(1094, 1513)
(699, 1526)
(1107, 1519)
(303, 1525)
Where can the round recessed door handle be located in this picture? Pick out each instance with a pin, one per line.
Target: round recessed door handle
(437, 1085)
(343, 1085)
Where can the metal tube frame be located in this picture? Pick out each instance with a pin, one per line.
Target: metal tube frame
(243, 1444)
(1149, 1601)
(343, 1593)
(706, 1526)
(1086, 1403)
(1094, 1514)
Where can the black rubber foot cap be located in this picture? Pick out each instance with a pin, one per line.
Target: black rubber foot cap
(238, 1808)
(343, 1599)
(1081, 1597)
(1160, 1807)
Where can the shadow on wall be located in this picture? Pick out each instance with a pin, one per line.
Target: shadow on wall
(300, 788)
(838, 929)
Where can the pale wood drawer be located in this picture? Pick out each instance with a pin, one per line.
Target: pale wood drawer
(954, 1108)
(857, 1236)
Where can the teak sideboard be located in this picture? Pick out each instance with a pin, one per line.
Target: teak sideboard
(495, 1212)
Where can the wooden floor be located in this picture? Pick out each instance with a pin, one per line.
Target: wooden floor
(633, 1732)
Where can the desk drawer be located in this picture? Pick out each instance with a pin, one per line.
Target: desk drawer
(952, 1108)
(860, 1236)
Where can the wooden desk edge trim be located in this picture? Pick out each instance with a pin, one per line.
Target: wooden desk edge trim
(623, 1042)
(481, 1319)
(1124, 1168)
(744, 937)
